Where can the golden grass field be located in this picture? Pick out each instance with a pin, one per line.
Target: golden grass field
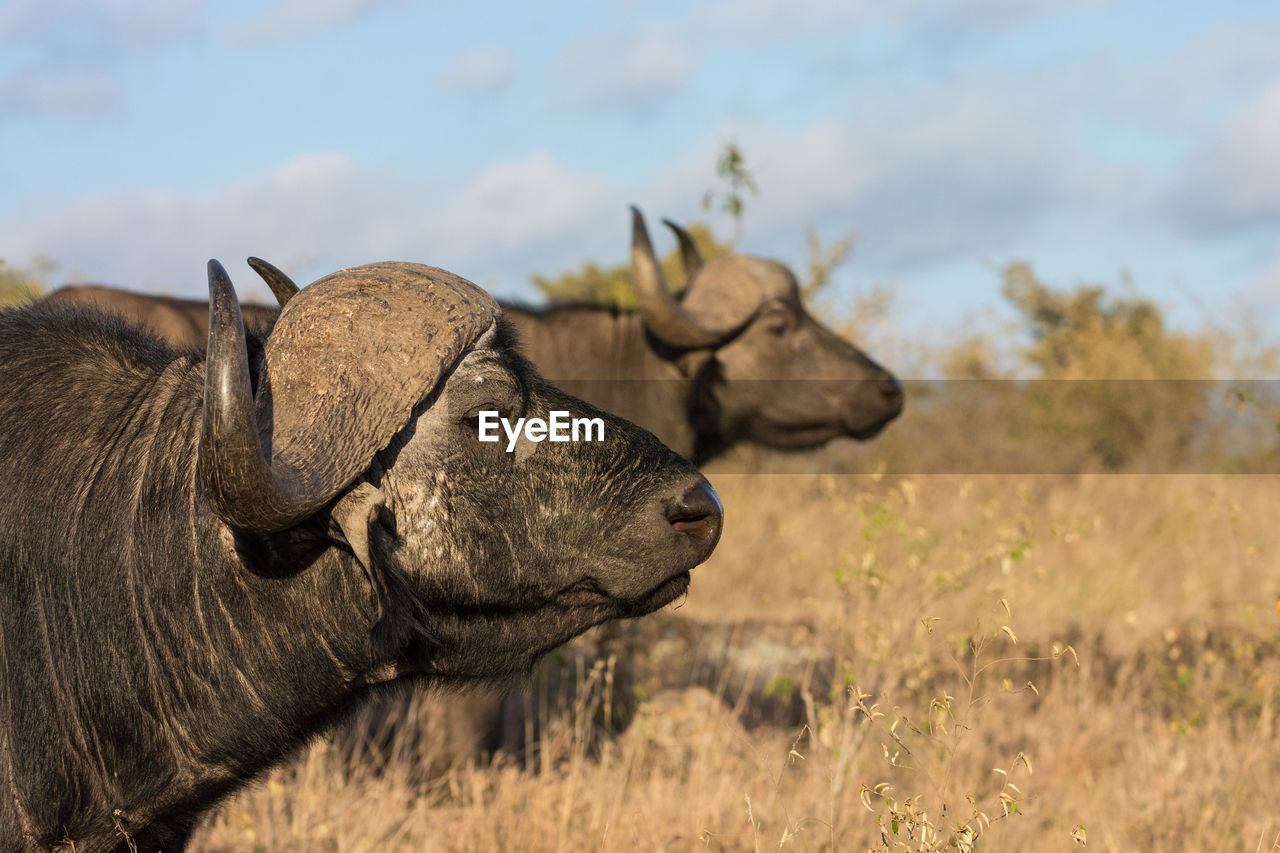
(1033, 663)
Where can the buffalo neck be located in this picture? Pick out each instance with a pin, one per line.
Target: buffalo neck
(141, 631)
(608, 358)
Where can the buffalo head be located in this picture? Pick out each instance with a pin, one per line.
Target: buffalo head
(234, 549)
(769, 371)
(376, 376)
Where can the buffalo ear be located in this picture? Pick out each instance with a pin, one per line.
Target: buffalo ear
(354, 519)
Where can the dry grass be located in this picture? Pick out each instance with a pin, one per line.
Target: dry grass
(892, 672)
(914, 662)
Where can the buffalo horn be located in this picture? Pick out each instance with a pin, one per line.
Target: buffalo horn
(345, 365)
(281, 285)
(665, 318)
(689, 254)
(238, 482)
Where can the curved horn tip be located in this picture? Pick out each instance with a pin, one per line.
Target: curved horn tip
(282, 287)
(678, 230)
(686, 241)
(216, 269)
(639, 232)
(689, 253)
(219, 282)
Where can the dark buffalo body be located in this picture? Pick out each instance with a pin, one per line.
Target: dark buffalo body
(206, 561)
(183, 321)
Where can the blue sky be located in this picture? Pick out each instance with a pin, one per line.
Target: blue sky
(138, 139)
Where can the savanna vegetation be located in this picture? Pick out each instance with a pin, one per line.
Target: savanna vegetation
(22, 284)
(902, 663)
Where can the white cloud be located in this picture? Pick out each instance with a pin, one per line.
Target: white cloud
(317, 214)
(518, 205)
(625, 70)
(87, 94)
(1232, 180)
(289, 18)
(954, 172)
(1266, 281)
(767, 19)
(1186, 89)
(160, 239)
(480, 69)
(72, 28)
(68, 51)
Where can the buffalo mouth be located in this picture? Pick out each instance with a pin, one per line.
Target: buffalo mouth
(806, 436)
(869, 432)
(818, 434)
(593, 595)
(660, 596)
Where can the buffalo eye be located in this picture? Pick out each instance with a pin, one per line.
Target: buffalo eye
(471, 421)
(778, 327)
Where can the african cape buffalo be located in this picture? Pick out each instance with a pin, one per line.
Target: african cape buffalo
(209, 555)
(734, 358)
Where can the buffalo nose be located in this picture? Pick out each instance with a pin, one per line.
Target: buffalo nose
(698, 515)
(891, 390)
